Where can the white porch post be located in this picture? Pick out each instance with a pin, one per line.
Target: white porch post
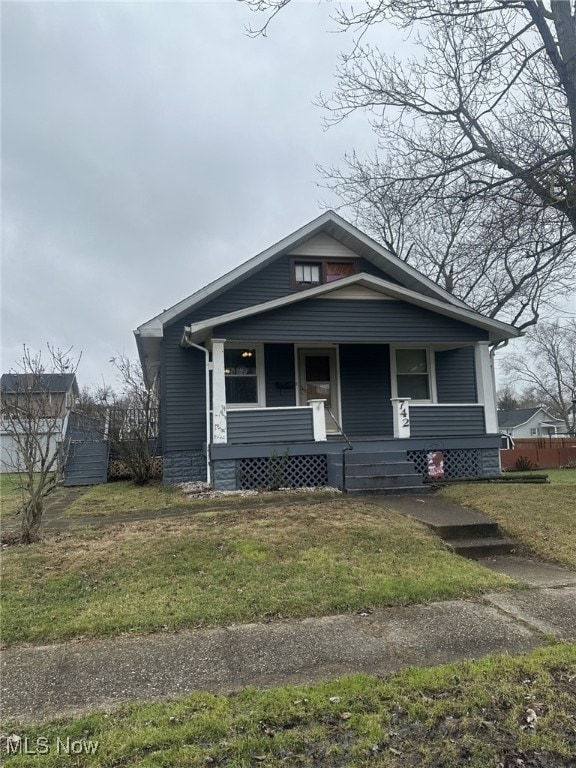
(401, 412)
(318, 419)
(485, 385)
(219, 421)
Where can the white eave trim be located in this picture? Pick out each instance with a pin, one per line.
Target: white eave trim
(383, 259)
(197, 331)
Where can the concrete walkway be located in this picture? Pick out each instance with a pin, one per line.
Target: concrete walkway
(52, 681)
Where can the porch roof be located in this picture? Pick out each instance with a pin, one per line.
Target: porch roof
(497, 330)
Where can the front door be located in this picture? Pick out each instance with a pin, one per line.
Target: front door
(319, 381)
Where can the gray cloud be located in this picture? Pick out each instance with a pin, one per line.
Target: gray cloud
(148, 148)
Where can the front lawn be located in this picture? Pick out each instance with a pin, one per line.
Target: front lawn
(501, 711)
(10, 492)
(124, 498)
(236, 565)
(540, 518)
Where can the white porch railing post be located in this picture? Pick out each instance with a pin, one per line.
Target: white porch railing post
(401, 412)
(219, 417)
(485, 385)
(318, 419)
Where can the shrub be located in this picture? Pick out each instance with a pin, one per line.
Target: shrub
(523, 464)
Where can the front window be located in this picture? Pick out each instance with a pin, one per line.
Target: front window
(241, 376)
(413, 374)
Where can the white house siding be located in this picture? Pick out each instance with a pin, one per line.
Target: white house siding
(10, 460)
(533, 427)
(324, 246)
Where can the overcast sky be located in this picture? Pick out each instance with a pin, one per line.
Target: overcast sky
(148, 148)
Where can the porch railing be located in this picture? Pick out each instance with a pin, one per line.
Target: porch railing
(276, 425)
(347, 447)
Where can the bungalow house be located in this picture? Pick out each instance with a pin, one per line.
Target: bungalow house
(530, 422)
(323, 360)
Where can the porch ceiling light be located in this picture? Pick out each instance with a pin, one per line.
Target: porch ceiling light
(247, 353)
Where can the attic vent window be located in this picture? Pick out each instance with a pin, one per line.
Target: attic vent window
(306, 274)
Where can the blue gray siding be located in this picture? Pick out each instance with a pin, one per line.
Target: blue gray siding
(279, 375)
(365, 390)
(183, 392)
(270, 426)
(182, 378)
(456, 376)
(444, 421)
(271, 282)
(341, 320)
(86, 463)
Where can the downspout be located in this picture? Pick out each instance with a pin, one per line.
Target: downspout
(208, 425)
(493, 349)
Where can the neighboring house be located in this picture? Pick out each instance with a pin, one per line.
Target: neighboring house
(48, 399)
(530, 422)
(325, 316)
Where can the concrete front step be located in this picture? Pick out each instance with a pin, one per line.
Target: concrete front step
(380, 468)
(377, 457)
(389, 490)
(474, 549)
(485, 530)
(381, 481)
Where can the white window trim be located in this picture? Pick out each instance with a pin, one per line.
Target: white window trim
(431, 364)
(260, 373)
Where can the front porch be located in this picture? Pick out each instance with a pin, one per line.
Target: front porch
(289, 412)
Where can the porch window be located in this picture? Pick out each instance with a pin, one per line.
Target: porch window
(413, 374)
(241, 376)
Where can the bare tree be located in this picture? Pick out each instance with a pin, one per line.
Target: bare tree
(474, 179)
(34, 411)
(548, 367)
(132, 419)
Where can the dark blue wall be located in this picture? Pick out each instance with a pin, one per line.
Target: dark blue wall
(443, 421)
(279, 374)
(365, 390)
(270, 426)
(271, 282)
(355, 320)
(183, 392)
(456, 376)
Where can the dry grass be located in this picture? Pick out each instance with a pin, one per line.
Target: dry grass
(124, 498)
(11, 495)
(228, 566)
(540, 518)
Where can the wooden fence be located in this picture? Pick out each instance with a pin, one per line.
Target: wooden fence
(541, 452)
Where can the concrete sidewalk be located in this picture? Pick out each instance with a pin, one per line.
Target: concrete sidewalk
(51, 681)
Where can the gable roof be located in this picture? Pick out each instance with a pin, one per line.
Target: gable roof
(339, 229)
(149, 334)
(198, 331)
(520, 416)
(12, 383)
